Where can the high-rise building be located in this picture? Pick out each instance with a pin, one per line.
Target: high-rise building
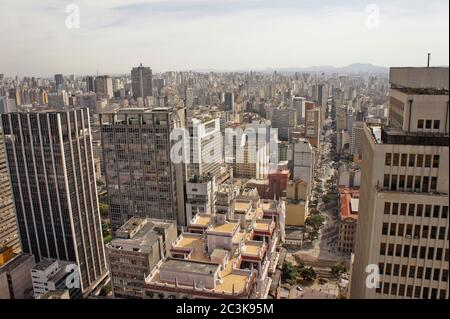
(403, 224)
(104, 86)
(141, 178)
(303, 161)
(298, 104)
(206, 154)
(141, 82)
(312, 123)
(59, 81)
(8, 224)
(54, 188)
(357, 135)
(90, 84)
(284, 119)
(229, 101)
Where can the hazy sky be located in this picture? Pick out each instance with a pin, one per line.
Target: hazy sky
(115, 35)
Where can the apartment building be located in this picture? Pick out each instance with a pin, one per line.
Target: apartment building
(141, 178)
(9, 235)
(138, 247)
(348, 218)
(232, 257)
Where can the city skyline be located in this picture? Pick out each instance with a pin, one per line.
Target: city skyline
(207, 34)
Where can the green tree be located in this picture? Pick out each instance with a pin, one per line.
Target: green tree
(288, 272)
(104, 210)
(338, 269)
(308, 273)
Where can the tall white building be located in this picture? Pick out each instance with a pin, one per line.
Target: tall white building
(206, 146)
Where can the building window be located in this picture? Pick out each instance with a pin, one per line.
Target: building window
(428, 210)
(403, 209)
(385, 229)
(404, 270)
(425, 183)
(401, 182)
(428, 124)
(406, 251)
(438, 254)
(387, 159)
(394, 183)
(409, 291)
(396, 159)
(387, 208)
(417, 184)
(404, 159)
(427, 160)
(425, 230)
(436, 210)
(419, 160)
(436, 161)
(412, 160)
(401, 230)
(419, 211)
(393, 229)
(411, 209)
(382, 250)
(436, 124)
(420, 124)
(433, 185)
(444, 213)
(386, 181)
(401, 290)
(441, 233)
(394, 208)
(409, 182)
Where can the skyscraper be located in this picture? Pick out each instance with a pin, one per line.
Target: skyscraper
(142, 180)
(90, 84)
(104, 86)
(59, 81)
(403, 213)
(54, 188)
(141, 81)
(8, 224)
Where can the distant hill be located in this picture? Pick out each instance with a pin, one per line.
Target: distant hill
(352, 68)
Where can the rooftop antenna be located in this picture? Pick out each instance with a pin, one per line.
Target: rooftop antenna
(428, 63)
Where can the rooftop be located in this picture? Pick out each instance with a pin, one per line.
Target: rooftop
(190, 266)
(193, 243)
(349, 201)
(393, 135)
(44, 264)
(201, 220)
(225, 229)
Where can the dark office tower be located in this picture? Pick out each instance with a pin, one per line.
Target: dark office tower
(8, 225)
(59, 81)
(54, 188)
(142, 181)
(90, 84)
(229, 101)
(141, 81)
